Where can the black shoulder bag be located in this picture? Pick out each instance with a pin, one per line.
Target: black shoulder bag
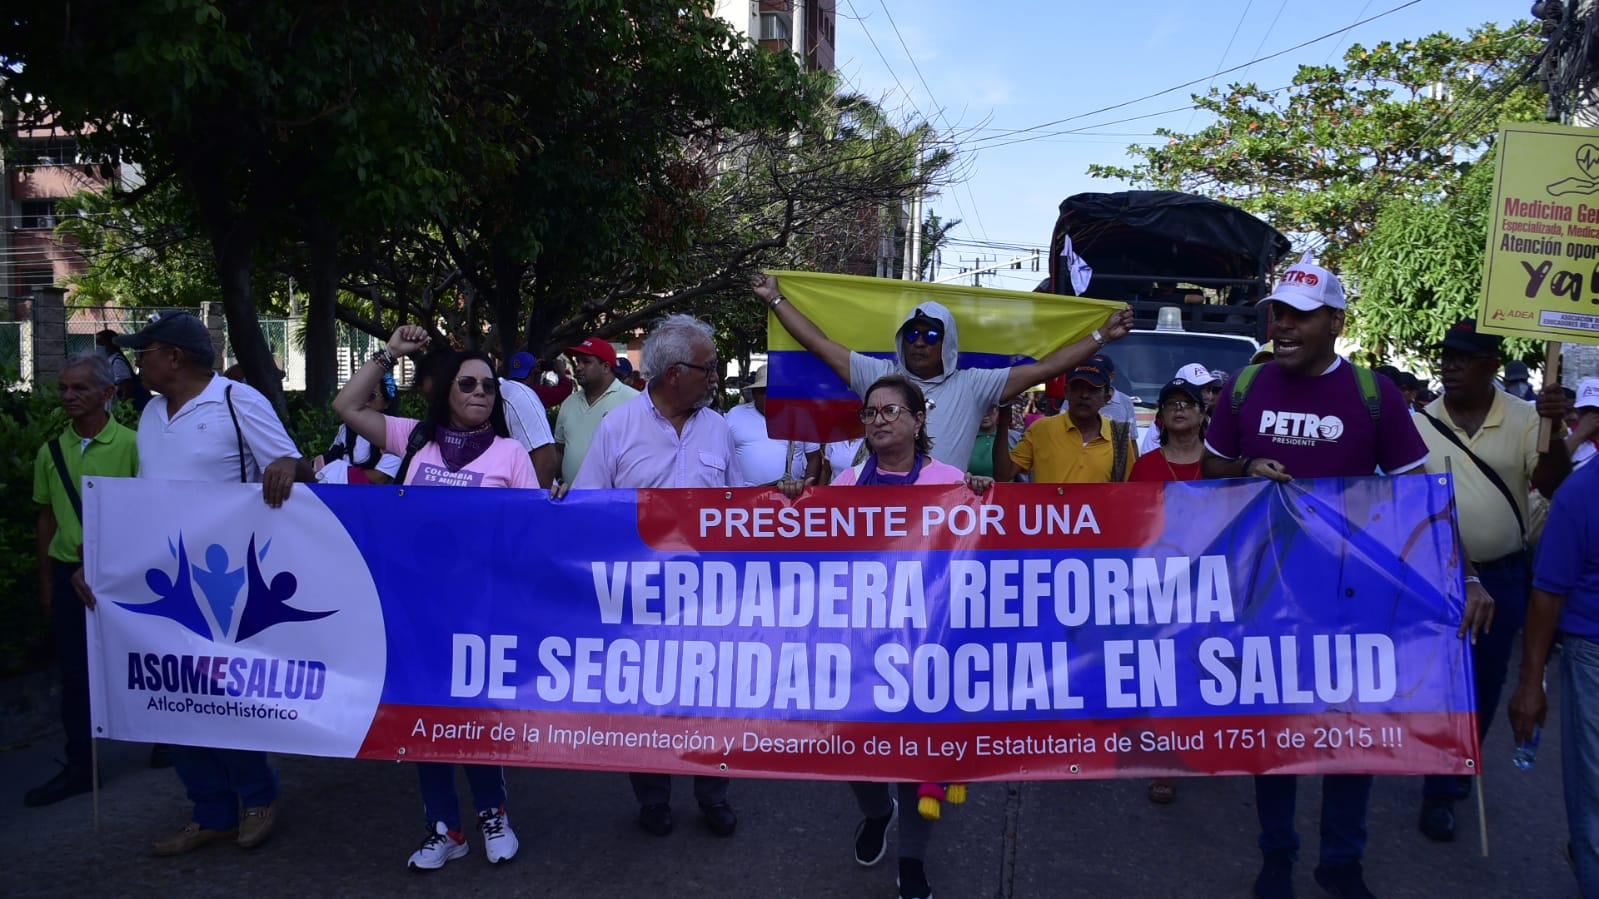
(1486, 469)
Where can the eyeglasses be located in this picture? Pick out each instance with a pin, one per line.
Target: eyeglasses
(468, 385)
(890, 413)
(1179, 405)
(928, 336)
(706, 370)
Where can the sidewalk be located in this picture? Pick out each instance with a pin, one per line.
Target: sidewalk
(347, 828)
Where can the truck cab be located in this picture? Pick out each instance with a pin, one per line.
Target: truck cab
(1192, 269)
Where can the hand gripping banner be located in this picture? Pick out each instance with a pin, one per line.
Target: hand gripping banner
(912, 633)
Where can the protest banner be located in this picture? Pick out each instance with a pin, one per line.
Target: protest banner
(1541, 267)
(806, 400)
(922, 633)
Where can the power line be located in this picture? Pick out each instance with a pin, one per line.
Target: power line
(1177, 87)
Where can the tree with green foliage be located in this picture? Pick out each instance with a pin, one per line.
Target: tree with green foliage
(1319, 158)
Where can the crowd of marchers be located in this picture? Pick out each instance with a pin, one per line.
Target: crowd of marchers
(1528, 510)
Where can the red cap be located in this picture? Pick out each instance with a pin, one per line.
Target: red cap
(596, 347)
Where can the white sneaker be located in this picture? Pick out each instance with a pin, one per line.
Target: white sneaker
(499, 841)
(438, 848)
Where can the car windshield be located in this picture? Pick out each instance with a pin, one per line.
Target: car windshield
(1146, 360)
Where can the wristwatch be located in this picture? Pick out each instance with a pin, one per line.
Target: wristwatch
(384, 358)
(1099, 338)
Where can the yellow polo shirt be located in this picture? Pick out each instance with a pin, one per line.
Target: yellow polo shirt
(1053, 450)
(1508, 442)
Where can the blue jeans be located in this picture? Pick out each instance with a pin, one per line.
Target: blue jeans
(1506, 580)
(219, 780)
(439, 802)
(1343, 815)
(1579, 755)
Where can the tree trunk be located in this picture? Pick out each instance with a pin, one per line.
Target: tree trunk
(507, 272)
(234, 253)
(321, 318)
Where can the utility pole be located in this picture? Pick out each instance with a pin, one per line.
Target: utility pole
(913, 241)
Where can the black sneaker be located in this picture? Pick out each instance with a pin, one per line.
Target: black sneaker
(871, 837)
(1343, 881)
(655, 819)
(1276, 877)
(1438, 820)
(720, 818)
(913, 880)
(70, 781)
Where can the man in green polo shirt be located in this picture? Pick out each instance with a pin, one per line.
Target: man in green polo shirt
(92, 444)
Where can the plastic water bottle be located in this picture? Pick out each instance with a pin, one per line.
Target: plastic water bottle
(1527, 753)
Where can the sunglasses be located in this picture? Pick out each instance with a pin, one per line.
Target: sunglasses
(468, 385)
(928, 336)
(1179, 405)
(890, 413)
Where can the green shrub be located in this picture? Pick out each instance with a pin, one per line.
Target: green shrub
(27, 420)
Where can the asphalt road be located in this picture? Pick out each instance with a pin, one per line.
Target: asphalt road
(347, 827)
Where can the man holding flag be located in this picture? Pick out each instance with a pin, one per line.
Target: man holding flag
(927, 350)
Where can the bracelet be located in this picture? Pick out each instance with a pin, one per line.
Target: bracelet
(777, 302)
(384, 358)
(1246, 462)
(1098, 337)
(1473, 579)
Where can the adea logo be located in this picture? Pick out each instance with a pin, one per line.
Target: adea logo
(222, 618)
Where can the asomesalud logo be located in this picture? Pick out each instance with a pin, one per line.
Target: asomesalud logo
(228, 623)
(222, 619)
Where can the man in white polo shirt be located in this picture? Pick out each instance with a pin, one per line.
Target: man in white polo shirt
(594, 367)
(763, 460)
(201, 427)
(527, 419)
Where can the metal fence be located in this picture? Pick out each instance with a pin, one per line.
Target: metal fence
(83, 324)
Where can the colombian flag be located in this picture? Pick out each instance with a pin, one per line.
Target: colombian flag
(805, 400)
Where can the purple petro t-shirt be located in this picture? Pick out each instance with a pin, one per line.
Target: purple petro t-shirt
(1317, 427)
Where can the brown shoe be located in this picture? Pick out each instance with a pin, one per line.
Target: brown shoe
(190, 838)
(256, 825)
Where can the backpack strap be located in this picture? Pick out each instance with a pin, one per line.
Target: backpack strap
(1242, 383)
(66, 479)
(238, 433)
(1119, 440)
(1370, 393)
(416, 441)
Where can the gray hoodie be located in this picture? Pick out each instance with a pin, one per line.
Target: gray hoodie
(956, 399)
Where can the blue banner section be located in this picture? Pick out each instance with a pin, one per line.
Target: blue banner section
(921, 605)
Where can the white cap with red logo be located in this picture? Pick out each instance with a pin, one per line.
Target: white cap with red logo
(1196, 374)
(1588, 394)
(1307, 286)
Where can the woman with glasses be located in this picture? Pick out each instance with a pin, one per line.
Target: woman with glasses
(900, 452)
(1180, 419)
(463, 441)
(895, 416)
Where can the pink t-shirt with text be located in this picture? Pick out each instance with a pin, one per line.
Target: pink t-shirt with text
(503, 464)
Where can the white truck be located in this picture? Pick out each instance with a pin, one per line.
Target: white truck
(1191, 267)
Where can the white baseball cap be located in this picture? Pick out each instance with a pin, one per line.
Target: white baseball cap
(1588, 394)
(1307, 286)
(1195, 374)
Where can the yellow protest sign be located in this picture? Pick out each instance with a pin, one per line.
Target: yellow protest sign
(1541, 269)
